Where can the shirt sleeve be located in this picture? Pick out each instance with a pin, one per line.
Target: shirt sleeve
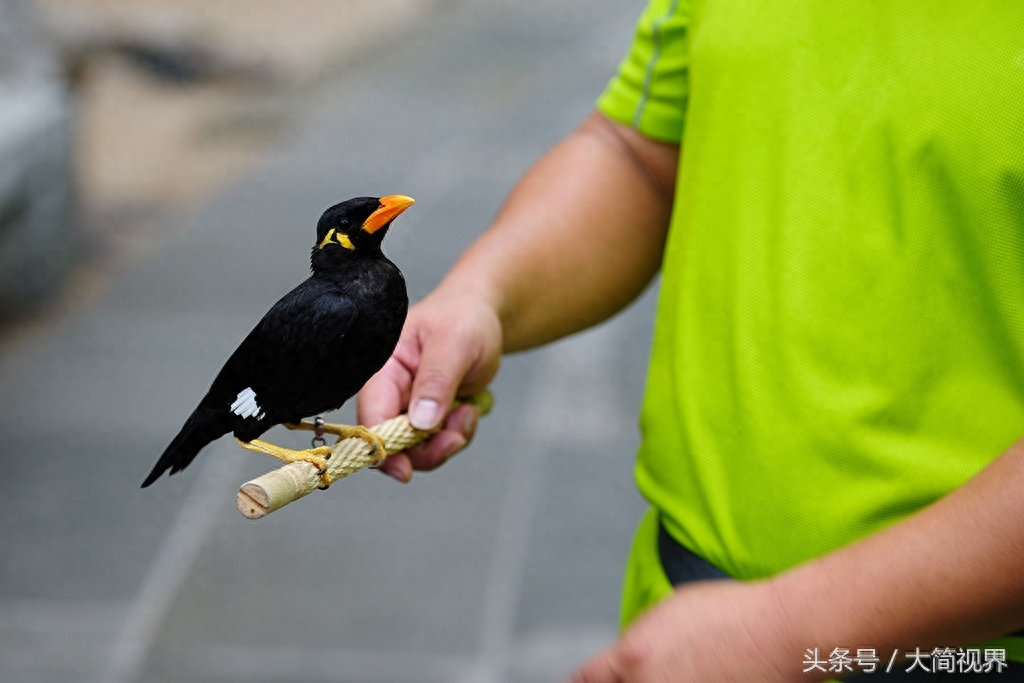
(650, 90)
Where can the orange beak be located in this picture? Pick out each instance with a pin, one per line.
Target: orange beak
(390, 207)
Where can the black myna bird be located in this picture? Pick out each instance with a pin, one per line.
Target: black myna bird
(315, 348)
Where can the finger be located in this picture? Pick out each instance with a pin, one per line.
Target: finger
(463, 420)
(456, 435)
(385, 394)
(397, 467)
(603, 668)
(441, 370)
(437, 450)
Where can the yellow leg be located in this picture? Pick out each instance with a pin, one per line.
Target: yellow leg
(314, 456)
(348, 432)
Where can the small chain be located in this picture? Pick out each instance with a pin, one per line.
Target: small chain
(318, 431)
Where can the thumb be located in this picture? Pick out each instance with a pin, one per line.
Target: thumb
(441, 371)
(459, 343)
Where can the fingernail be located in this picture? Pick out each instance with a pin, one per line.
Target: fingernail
(469, 422)
(424, 414)
(454, 447)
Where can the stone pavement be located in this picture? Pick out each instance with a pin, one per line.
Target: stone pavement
(502, 566)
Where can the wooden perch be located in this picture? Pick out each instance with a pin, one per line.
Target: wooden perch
(273, 490)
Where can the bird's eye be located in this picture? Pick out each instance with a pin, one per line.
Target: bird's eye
(345, 222)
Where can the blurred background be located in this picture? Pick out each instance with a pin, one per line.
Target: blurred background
(162, 167)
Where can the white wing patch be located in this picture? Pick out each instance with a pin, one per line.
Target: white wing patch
(245, 405)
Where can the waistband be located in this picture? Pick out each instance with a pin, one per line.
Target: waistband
(682, 566)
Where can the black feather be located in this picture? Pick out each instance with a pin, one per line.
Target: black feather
(203, 426)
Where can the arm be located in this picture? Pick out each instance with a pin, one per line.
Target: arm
(947, 575)
(580, 236)
(951, 574)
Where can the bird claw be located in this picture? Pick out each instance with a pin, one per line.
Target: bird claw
(378, 449)
(325, 479)
(317, 457)
(313, 457)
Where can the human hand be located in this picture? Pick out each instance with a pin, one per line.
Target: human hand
(710, 631)
(450, 345)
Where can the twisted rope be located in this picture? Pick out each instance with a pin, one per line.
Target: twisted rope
(272, 491)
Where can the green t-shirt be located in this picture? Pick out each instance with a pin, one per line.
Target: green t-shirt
(840, 330)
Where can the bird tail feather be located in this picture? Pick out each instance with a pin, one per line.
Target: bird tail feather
(196, 433)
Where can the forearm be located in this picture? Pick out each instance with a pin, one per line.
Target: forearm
(580, 236)
(948, 575)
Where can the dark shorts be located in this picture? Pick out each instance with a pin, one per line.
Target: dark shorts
(682, 566)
